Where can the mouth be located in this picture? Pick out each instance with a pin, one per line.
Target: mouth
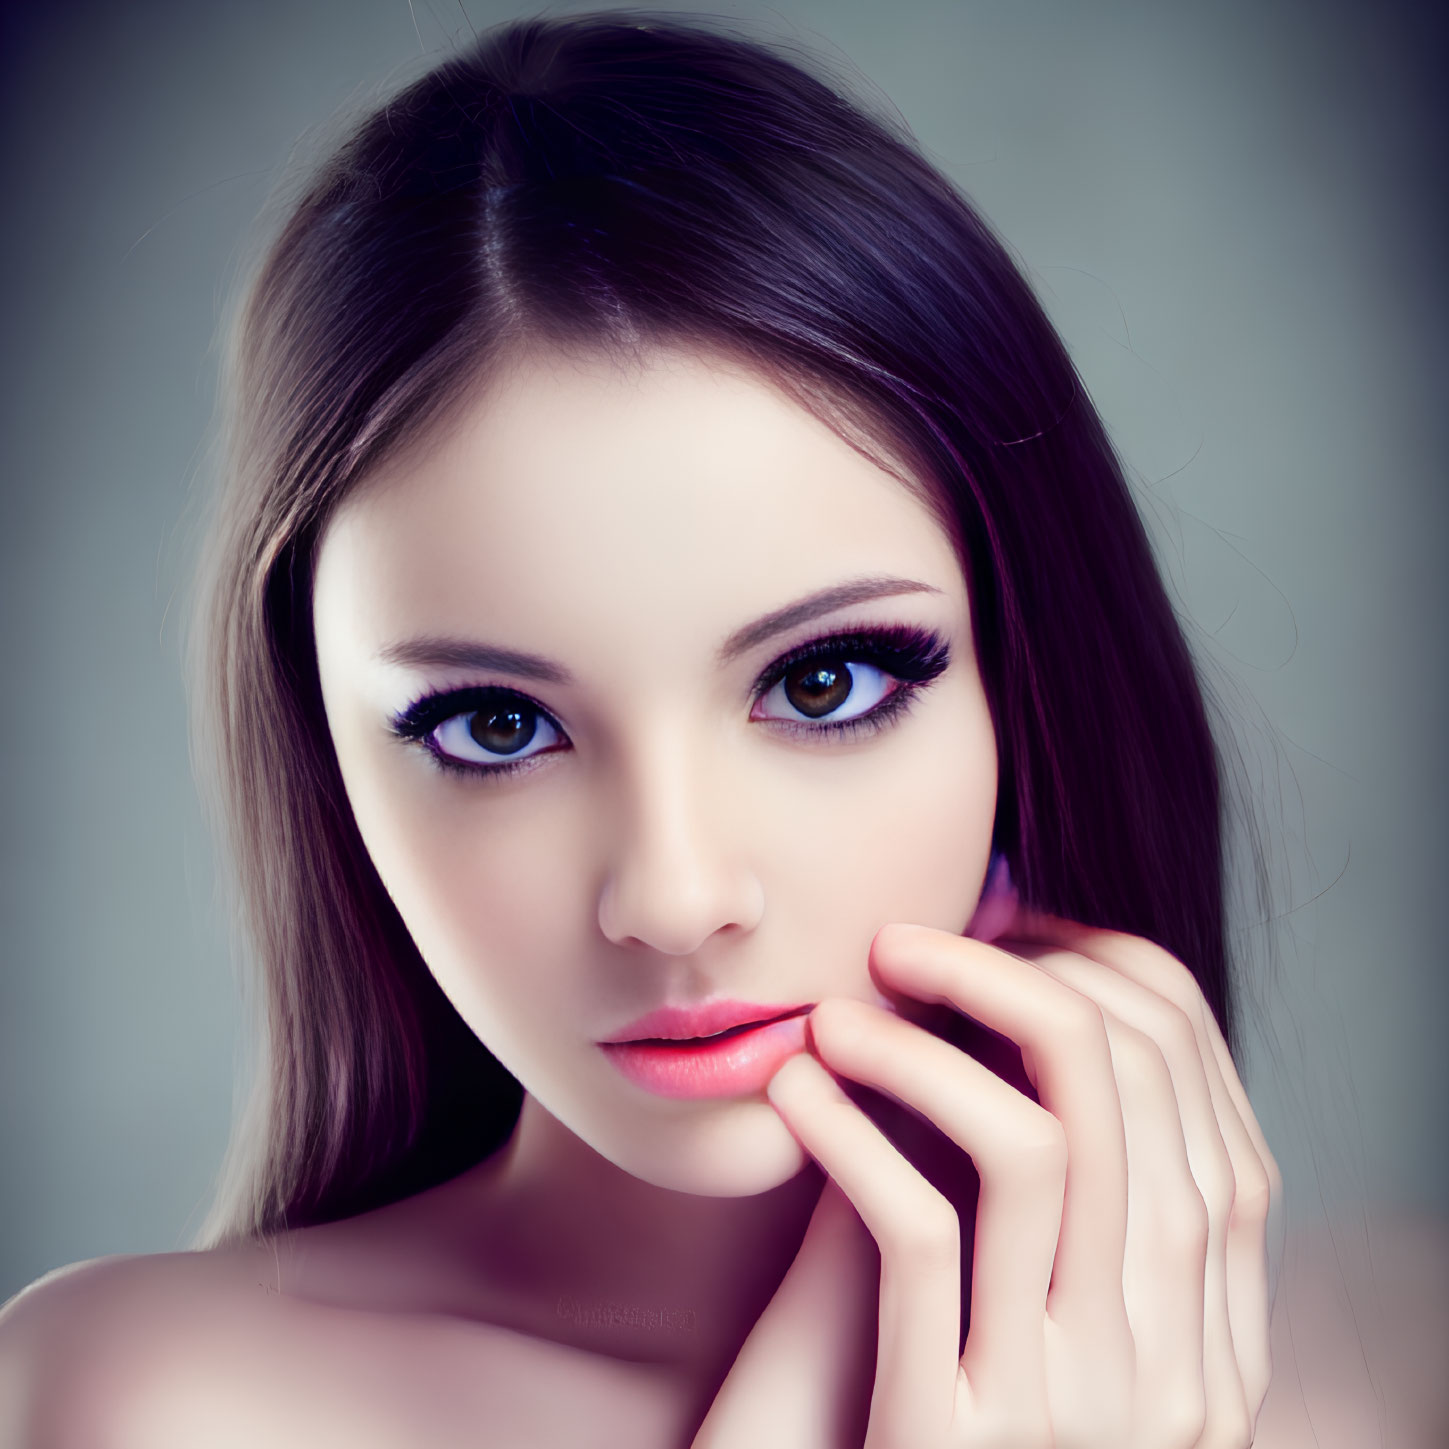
(704, 1021)
(708, 1051)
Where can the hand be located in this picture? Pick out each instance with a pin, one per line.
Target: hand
(1120, 1291)
(802, 1378)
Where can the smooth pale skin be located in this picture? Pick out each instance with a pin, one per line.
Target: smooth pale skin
(626, 1253)
(624, 526)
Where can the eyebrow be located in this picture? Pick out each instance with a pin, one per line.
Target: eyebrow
(444, 652)
(826, 601)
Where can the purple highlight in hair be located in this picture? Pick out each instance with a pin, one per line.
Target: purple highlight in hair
(998, 901)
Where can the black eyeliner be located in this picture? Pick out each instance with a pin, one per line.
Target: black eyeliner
(427, 712)
(912, 655)
(417, 724)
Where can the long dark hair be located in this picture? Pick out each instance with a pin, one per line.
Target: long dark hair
(616, 180)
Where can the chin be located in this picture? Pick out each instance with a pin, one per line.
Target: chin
(738, 1151)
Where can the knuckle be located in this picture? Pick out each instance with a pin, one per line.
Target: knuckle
(1227, 1429)
(1155, 964)
(1187, 1226)
(1184, 1420)
(1216, 1183)
(1078, 1021)
(1138, 1061)
(1039, 1152)
(1257, 1376)
(1178, 983)
(928, 1235)
(1275, 1176)
(1252, 1197)
(1219, 1200)
(1178, 1038)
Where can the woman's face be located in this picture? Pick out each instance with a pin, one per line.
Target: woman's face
(613, 566)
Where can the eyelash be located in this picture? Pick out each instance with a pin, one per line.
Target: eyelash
(914, 657)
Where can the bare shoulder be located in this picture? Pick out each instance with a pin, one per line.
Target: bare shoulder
(217, 1348)
(88, 1352)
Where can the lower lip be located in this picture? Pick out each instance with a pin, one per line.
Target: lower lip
(728, 1067)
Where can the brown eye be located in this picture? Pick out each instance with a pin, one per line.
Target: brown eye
(499, 728)
(816, 688)
(504, 731)
(810, 689)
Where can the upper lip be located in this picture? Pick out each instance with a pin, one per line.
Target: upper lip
(706, 1018)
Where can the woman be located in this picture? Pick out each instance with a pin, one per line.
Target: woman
(724, 812)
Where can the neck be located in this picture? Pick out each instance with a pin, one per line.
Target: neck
(625, 1268)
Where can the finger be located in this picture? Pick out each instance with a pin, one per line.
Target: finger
(916, 1229)
(1257, 1250)
(1064, 1047)
(1246, 1271)
(1164, 1269)
(791, 1381)
(1019, 1151)
(1152, 990)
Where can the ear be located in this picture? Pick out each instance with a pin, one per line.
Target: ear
(998, 902)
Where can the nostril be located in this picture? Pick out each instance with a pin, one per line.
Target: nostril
(676, 917)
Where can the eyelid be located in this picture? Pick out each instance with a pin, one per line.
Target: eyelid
(418, 725)
(884, 641)
(433, 708)
(912, 654)
(908, 651)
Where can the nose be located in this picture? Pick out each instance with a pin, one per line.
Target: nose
(676, 873)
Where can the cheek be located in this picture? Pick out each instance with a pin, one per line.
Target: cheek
(901, 833)
(496, 893)
(488, 889)
(499, 890)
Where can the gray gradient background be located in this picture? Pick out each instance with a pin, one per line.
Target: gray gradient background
(1231, 211)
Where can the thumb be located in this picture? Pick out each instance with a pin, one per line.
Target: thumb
(804, 1375)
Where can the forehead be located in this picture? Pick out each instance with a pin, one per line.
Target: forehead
(676, 489)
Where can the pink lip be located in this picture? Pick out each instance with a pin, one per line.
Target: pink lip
(688, 1058)
(708, 1018)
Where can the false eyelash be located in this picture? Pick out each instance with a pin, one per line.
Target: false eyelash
(912, 655)
(421, 718)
